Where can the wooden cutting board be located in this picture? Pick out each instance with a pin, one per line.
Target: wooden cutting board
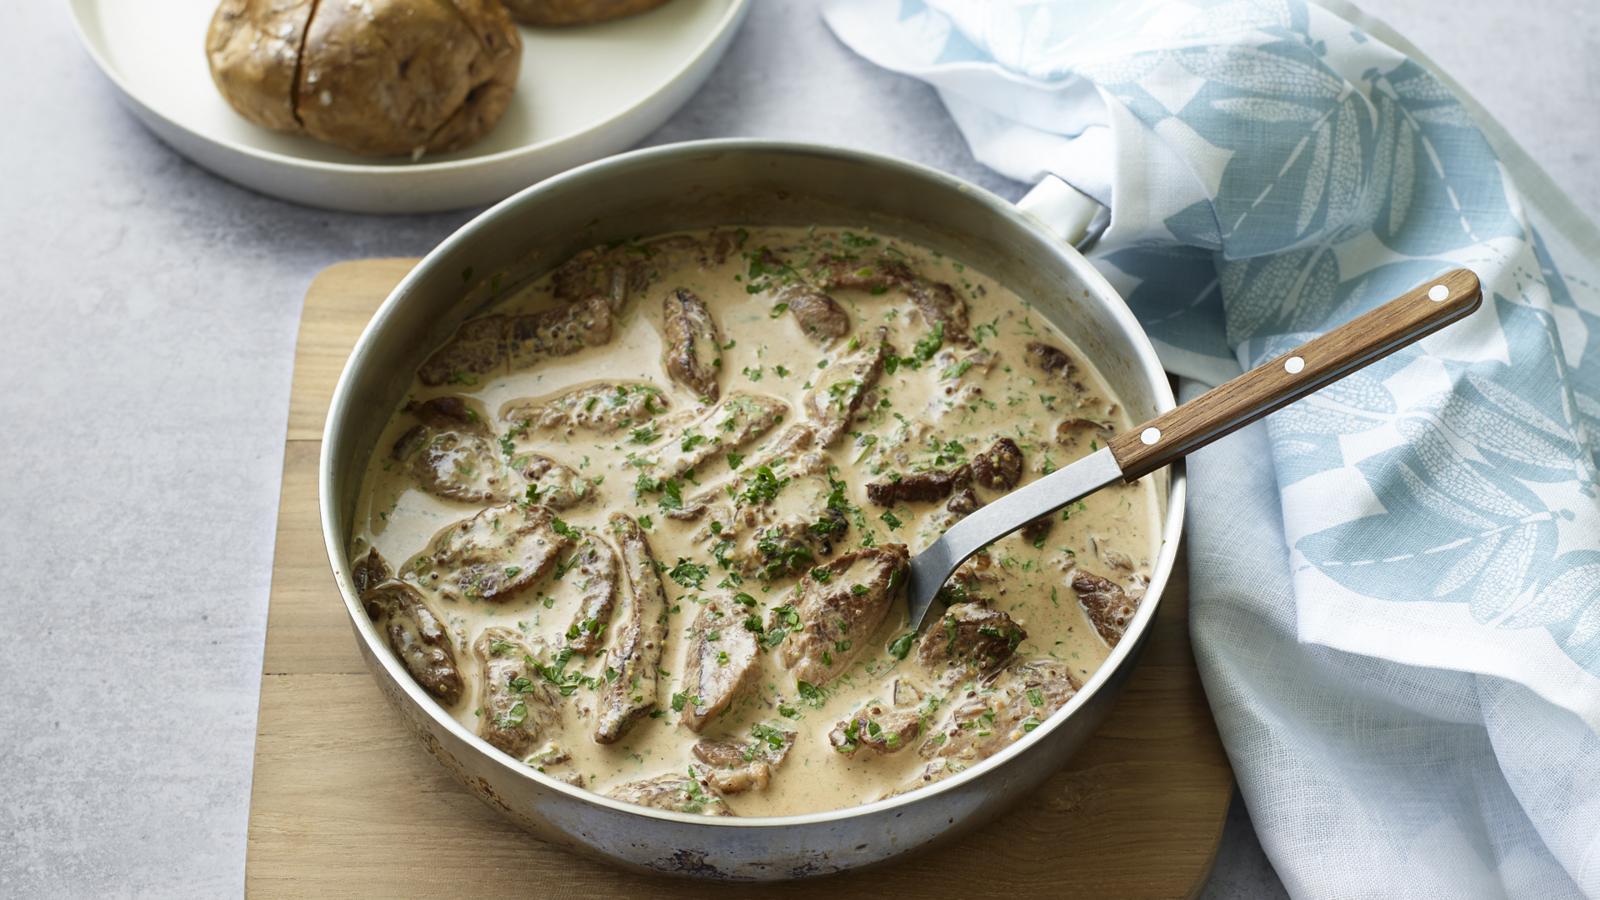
(346, 802)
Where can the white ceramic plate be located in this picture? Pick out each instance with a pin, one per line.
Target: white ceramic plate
(583, 93)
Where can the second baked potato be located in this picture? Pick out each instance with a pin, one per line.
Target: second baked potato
(576, 12)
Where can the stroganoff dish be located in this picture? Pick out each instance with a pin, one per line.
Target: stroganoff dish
(644, 525)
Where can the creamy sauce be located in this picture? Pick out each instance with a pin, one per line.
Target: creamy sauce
(941, 406)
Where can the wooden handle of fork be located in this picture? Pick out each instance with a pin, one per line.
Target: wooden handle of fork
(1272, 385)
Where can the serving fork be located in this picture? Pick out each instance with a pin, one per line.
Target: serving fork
(1176, 433)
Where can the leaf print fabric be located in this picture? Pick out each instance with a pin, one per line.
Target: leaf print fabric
(1401, 641)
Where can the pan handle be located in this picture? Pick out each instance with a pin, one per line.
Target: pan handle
(1067, 212)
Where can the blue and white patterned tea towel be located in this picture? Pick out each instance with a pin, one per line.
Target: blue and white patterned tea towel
(1396, 583)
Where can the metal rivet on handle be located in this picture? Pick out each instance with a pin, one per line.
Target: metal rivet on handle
(1150, 435)
(1293, 365)
(1438, 292)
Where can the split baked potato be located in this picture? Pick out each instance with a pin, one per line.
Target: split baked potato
(376, 77)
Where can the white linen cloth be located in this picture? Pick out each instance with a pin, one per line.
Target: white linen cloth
(1396, 583)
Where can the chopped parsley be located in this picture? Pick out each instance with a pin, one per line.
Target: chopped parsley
(719, 552)
(900, 646)
(924, 349)
(957, 368)
(784, 618)
(762, 488)
(688, 574)
(589, 625)
(929, 344)
(764, 270)
(556, 673)
(774, 738)
(782, 554)
(513, 717)
(670, 489)
(810, 692)
(841, 392)
(833, 523)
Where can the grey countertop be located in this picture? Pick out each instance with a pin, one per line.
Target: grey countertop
(148, 315)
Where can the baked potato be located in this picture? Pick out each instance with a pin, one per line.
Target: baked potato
(376, 77)
(576, 12)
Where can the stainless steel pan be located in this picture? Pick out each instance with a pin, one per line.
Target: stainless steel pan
(724, 183)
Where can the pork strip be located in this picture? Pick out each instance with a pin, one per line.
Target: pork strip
(521, 709)
(552, 484)
(602, 408)
(557, 332)
(1109, 607)
(850, 273)
(734, 767)
(477, 349)
(722, 661)
(496, 344)
(942, 308)
(993, 714)
(839, 606)
(837, 394)
(636, 655)
(970, 637)
(918, 487)
(452, 452)
(819, 316)
(493, 556)
(692, 344)
(612, 272)
(593, 568)
(1050, 359)
(740, 419)
(1000, 467)
(883, 728)
(619, 272)
(369, 571)
(418, 638)
(675, 792)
